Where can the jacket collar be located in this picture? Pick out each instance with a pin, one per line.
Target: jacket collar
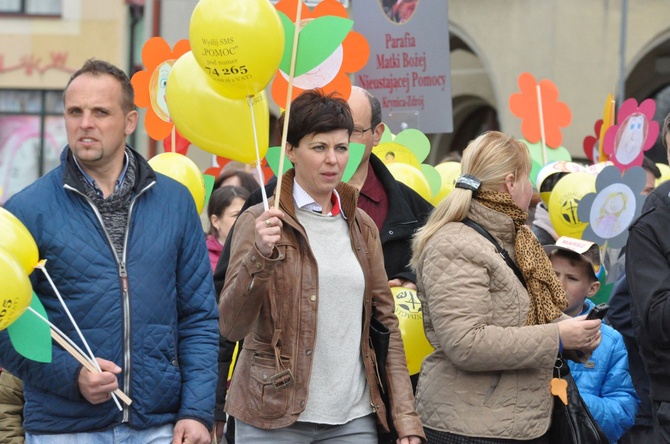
(348, 197)
(399, 212)
(500, 225)
(145, 175)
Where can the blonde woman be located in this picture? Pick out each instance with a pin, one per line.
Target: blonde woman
(495, 341)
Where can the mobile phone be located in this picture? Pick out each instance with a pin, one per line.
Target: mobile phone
(598, 312)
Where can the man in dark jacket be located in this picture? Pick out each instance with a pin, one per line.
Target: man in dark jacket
(397, 210)
(124, 246)
(648, 274)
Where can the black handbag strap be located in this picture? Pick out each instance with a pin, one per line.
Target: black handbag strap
(501, 251)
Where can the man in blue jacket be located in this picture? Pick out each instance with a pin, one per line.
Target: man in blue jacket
(125, 248)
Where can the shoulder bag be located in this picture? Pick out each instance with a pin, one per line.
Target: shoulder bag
(571, 422)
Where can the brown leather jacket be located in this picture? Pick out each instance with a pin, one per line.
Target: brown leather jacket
(271, 304)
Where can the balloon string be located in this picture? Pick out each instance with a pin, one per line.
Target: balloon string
(56, 330)
(289, 94)
(258, 154)
(541, 115)
(74, 323)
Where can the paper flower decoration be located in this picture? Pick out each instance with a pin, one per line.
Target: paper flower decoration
(409, 148)
(614, 205)
(327, 50)
(541, 158)
(635, 133)
(150, 84)
(525, 105)
(591, 143)
(181, 144)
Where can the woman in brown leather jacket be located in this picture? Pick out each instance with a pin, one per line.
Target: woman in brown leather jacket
(303, 282)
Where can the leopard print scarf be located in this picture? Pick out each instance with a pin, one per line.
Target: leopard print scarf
(547, 297)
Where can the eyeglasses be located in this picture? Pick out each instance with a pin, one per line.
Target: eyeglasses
(358, 133)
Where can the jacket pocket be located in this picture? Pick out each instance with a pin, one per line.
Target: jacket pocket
(495, 380)
(160, 375)
(267, 399)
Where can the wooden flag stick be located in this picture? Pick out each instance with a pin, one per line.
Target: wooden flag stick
(287, 113)
(76, 353)
(173, 139)
(42, 266)
(250, 101)
(86, 363)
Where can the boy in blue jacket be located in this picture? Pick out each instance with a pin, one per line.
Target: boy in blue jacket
(603, 381)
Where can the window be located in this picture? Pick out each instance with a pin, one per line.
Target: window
(31, 7)
(32, 136)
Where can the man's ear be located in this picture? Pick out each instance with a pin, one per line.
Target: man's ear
(377, 134)
(131, 122)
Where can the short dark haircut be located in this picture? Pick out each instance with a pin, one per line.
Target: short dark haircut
(100, 67)
(666, 128)
(650, 166)
(247, 181)
(576, 260)
(313, 112)
(375, 110)
(221, 199)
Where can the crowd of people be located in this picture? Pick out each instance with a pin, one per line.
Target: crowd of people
(300, 279)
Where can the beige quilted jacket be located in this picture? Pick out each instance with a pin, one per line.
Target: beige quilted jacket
(489, 375)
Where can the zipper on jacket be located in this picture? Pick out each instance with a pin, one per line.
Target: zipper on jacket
(125, 301)
(125, 293)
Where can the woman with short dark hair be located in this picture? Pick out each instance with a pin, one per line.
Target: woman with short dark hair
(303, 283)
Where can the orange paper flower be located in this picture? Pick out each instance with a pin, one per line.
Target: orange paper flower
(331, 75)
(525, 106)
(150, 84)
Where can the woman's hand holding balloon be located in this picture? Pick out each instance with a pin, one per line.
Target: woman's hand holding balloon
(268, 231)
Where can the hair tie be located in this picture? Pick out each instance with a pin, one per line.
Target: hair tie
(468, 182)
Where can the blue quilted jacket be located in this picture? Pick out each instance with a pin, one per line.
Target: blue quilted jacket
(162, 332)
(605, 383)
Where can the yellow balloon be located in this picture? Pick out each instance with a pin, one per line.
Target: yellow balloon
(412, 177)
(183, 170)
(239, 43)
(559, 166)
(665, 173)
(410, 322)
(15, 291)
(17, 240)
(564, 200)
(391, 152)
(212, 122)
(449, 172)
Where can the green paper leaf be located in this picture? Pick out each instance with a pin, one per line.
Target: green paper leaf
(209, 187)
(272, 156)
(536, 155)
(30, 335)
(433, 177)
(356, 151)
(318, 39)
(416, 141)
